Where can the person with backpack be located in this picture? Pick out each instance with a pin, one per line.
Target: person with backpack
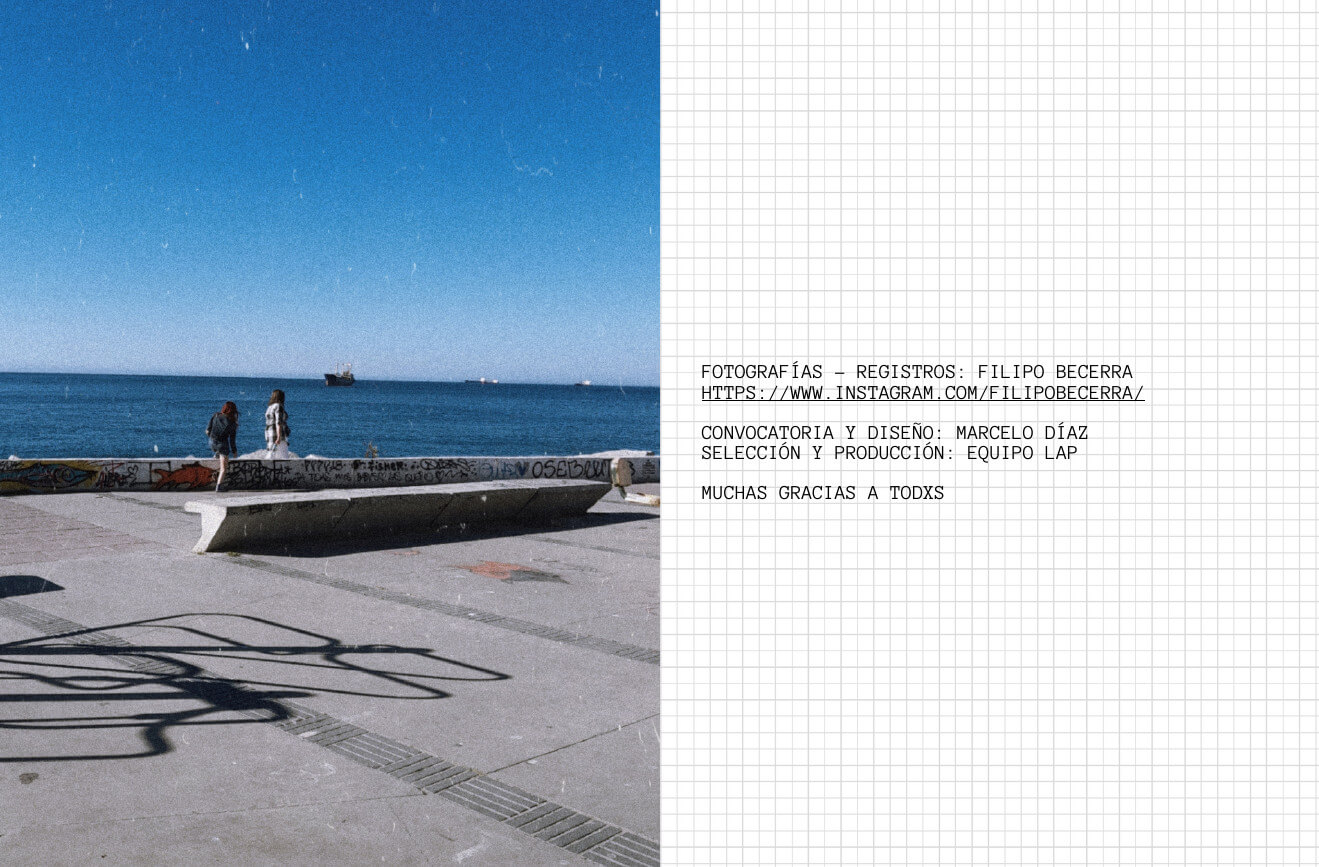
(222, 431)
(277, 426)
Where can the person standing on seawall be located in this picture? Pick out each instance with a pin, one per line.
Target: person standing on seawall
(277, 426)
(222, 431)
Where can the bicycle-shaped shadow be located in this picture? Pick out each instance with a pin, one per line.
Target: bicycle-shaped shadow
(167, 673)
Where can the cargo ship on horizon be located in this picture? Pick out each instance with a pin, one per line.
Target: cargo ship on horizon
(342, 376)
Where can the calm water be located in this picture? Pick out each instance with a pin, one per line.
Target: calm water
(50, 415)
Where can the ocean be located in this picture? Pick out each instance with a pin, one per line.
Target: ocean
(56, 415)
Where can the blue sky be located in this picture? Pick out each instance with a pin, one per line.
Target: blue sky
(432, 190)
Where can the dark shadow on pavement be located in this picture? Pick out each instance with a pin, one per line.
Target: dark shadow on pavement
(25, 585)
(70, 668)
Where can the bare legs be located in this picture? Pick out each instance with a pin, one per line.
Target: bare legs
(224, 465)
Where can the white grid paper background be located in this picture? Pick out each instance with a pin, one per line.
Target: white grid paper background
(1112, 662)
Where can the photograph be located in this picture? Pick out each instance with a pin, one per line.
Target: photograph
(330, 433)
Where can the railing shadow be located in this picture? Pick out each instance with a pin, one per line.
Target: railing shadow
(86, 666)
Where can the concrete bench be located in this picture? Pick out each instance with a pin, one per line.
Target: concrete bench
(231, 523)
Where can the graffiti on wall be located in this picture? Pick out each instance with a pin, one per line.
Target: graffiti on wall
(186, 478)
(118, 476)
(56, 476)
(261, 476)
(545, 468)
(645, 469)
(17, 477)
(387, 472)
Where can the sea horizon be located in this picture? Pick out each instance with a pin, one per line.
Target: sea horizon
(89, 415)
(320, 377)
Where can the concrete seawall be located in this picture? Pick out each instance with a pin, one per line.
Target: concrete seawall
(74, 475)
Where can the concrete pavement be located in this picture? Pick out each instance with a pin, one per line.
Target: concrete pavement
(481, 697)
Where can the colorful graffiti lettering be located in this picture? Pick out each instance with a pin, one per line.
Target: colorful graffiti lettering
(184, 478)
(43, 476)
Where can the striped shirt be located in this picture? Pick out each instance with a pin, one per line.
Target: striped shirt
(277, 420)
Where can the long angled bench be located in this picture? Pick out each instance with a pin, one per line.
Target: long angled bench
(231, 523)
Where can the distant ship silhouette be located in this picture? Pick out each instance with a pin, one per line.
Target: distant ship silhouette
(342, 376)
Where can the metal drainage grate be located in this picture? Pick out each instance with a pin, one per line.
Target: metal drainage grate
(39, 620)
(626, 850)
(493, 798)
